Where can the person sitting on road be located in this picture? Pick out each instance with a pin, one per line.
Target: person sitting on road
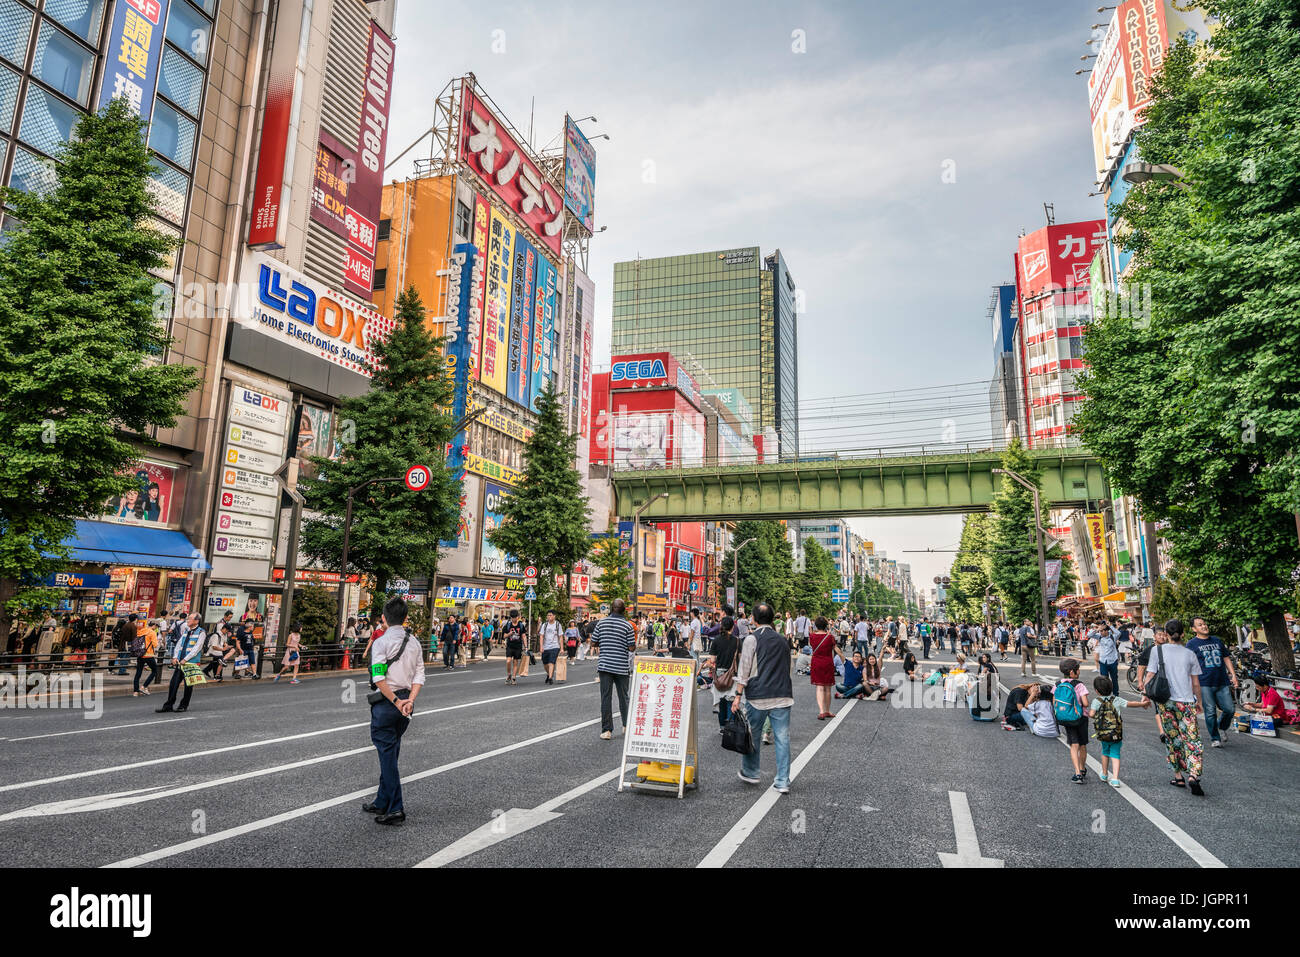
(877, 685)
(1017, 715)
(1270, 703)
(854, 685)
(909, 666)
(1042, 714)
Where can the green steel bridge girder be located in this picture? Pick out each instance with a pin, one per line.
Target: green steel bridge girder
(899, 485)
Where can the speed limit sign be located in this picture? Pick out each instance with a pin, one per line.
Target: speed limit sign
(417, 478)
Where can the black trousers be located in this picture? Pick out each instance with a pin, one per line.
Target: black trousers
(139, 670)
(178, 682)
(608, 682)
(387, 725)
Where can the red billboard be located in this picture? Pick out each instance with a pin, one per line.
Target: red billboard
(1058, 256)
(266, 224)
(498, 160)
(363, 206)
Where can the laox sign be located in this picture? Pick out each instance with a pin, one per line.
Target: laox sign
(300, 303)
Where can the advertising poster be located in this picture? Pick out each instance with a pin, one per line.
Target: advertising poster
(1097, 537)
(544, 313)
(488, 149)
(496, 310)
(482, 217)
(579, 175)
(331, 183)
(363, 208)
(150, 500)
(466, 264)
(1059, 257)
(492, 560)
(136, 35)
(147, 584)
(640, 441)
(314, 427)
(523, 280)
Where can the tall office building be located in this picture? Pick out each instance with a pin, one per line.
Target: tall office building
(729, 316)
(1006, 416)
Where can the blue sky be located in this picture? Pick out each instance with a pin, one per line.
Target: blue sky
(722, 135)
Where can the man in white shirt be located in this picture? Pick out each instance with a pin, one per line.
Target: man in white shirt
(862, 636)
(189, 650)
(802, 628)
(397, 672)
(697, 634)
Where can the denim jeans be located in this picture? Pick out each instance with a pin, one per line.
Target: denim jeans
(863, 647)
(1110, 670)
(780, 720)
(1216, 699)
(852, 692)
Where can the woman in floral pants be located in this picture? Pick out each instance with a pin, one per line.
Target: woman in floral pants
(1182, 740)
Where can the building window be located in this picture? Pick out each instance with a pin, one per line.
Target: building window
(15, 28)
(385, 228)
(9, 81)
(32, 173)
(189, 30)
(63, 64)
(169, 188)
(47, 122)
(172, 135)
(381, 278)
(181, 81)
(463, 219)
(82, 17)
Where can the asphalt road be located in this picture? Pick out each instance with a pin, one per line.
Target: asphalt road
(263, 774)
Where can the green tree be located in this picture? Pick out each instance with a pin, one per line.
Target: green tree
(314, 608)
(80, 332)
(766, 565)
(813, 585)
(615, 578)
(1013, 563)
(966, 595)
(1191, 398)
(403, 420)
(545, 521)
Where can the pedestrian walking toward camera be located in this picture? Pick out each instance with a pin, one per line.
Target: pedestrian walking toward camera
(1173, 683)
(292, 655)
(1027, 643)
(189, 650)
(515, 632)
(615, 640)
(1218, 679)
(763, 679)
(550, 633)
(397, 675)
(450, 637)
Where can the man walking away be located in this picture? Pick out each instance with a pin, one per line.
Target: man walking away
(763, 678)
(1218, 678)
(189, 650)
(397, 672)
(615, 640)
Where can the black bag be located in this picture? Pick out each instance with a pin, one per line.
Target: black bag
(736, 735)
(1157, 688)
(376, 695)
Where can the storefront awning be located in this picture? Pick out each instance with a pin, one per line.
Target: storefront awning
(104, 543)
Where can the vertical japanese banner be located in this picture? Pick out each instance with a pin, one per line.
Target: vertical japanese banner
(540, 366)
(521, 295)
(496, 310)
(1097, 536)
(482, 215)
(134, 51)
(267, 229)
(367, 192)
(465, 265)
(584, 419)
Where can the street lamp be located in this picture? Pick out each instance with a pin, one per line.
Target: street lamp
(735, 570)
(636, 548)
(1138, 173)
(1038, 534)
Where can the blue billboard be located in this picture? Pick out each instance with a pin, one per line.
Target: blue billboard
(467, 268)
(135, 37)
(543, 323)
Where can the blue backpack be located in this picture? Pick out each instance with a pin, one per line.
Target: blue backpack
(1066, 703)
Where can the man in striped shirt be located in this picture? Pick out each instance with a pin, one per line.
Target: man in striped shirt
(616, 641)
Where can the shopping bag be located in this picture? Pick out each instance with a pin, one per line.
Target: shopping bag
(1262, 725)
(736, 735)
(193, 674)
(241, 661)
(954, 688)
(562, 667)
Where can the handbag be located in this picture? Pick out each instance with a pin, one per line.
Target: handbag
(727, 679)
(1157, 689)
(736, 735)
(376, 695)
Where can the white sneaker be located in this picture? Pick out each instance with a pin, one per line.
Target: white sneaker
(782, 790)
(741, 775)
(1216, 744)
(606, 735)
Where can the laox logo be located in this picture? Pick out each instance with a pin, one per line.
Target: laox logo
(301, 304)
(645, 369)
(262, 401)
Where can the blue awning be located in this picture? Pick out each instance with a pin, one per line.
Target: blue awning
(105, 543)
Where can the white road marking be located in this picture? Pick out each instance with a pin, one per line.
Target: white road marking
(252, 826)
(731, 841)
(138, 724)
(968, 844)
(259, 744)
(1186, 843)
(512, 823)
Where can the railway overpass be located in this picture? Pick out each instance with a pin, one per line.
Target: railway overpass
(919, 484)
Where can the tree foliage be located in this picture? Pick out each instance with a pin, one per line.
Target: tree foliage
(766, 566)
(615, 578)
(403, 420)
(544, 523)
(314, 608)
(80, 332)
(813, 585)
(966, 595)
(1192, 402)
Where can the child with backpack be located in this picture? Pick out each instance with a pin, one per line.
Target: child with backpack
(1108, 726)
(1070, 707)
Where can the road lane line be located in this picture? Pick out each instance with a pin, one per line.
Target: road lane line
(1186, 843)
(731, 841)
(138, 724)
(252, 826)
(259, 744)
(968, 843)
(513, 822)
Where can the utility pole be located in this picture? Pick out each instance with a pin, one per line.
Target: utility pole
(636, 548)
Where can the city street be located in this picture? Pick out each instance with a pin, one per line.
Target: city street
(274, 775)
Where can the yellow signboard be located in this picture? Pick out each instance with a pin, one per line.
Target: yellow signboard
(493, 470)
(501, 423)
(1097, 536)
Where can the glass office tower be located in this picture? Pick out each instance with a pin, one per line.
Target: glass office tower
(728, 316)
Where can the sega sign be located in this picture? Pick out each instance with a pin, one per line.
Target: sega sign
(636, 371)
(295, 309)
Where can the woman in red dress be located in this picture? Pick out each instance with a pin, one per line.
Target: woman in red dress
(823, 667)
